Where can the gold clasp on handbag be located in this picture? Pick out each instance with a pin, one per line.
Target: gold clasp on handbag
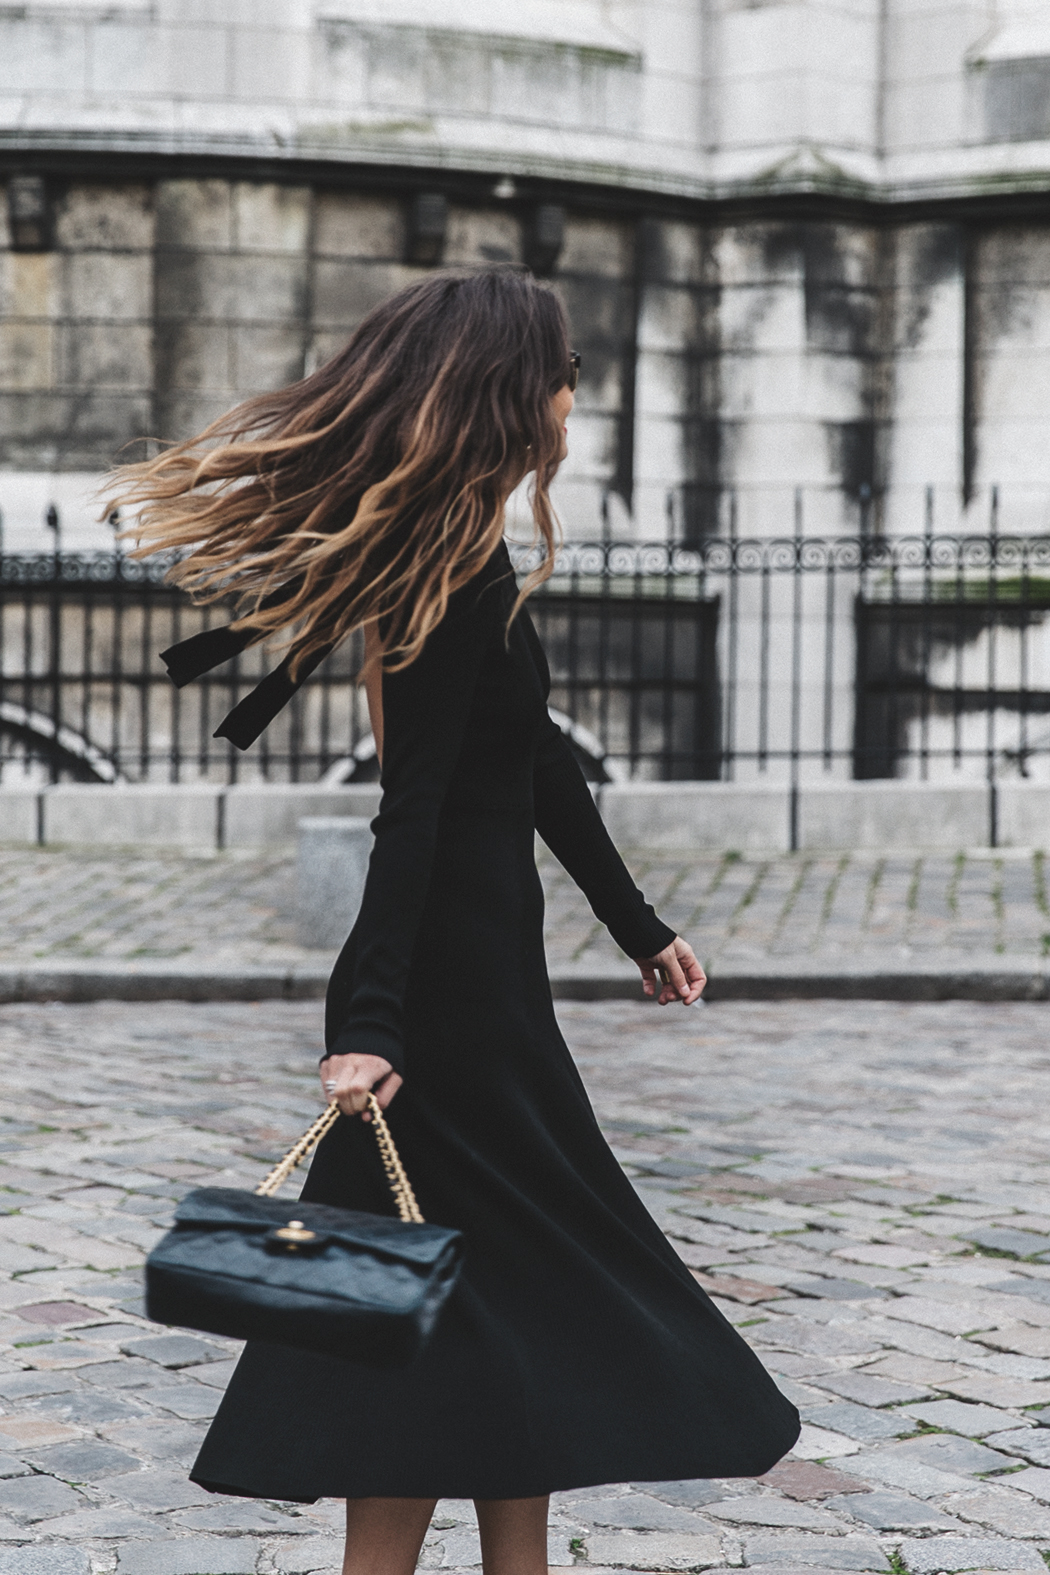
(293, 1233)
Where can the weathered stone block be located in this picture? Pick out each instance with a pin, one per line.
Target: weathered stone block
(640, 1511)
(189, 1556)
(28, 283)
(29, 424)
(270, 218)
(83, 1461)
(193, 355)
(271, 60)
(163, 816)
(1017, 255)
(345, 291)
(331, 868)
(42, 56)
(1002, 1510)
(106, 355)
(196, 213)
(44, 1561)
(265, 358)
(346, 225)
(27, 355)
(268, 814)
(185, 61)
(229, 1515)
(230, 289)
(1030, 1443)
(303, 1555)
(892, 1512)
(156, 1490)
(37, 1498)
(696, 815)
(182, 417)
(672, 320)
(482, 235)
(595, 246)
(893, 814)
(927, 1554)
(107, 284)
(678, 253)
(839, 1553)
(655, 1550)
(600, 311)
(173, 1350)
(768, 1511)
(126, 53)
(105, 218)
(324, 346)
(100, 423)
(1024, 815)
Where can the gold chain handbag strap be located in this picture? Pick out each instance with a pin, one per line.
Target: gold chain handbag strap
(400, 1186)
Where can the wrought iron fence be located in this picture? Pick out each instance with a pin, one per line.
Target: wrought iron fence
(783, 659)
(84, 695)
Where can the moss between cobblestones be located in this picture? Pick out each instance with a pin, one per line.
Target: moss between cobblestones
(832, 891)
(874, 882)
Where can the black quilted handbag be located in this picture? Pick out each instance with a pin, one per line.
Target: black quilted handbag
(362, 1286)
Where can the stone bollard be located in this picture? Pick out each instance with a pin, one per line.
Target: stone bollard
(331, 868)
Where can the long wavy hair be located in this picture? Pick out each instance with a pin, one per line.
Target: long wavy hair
(370, 491)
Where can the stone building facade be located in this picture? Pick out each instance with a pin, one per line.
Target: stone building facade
(805, 244)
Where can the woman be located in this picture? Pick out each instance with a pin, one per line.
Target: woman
(577, 1348)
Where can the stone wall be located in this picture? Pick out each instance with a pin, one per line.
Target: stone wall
(898, 99)
(852, 358)
(76, 328)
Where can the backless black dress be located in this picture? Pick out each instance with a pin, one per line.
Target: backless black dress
(577, 1348)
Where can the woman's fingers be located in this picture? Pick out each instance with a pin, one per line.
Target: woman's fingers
(648, 972)
(694, 975)
(349, 1079)
(677, 984)
(681, 976)
(386, 1090)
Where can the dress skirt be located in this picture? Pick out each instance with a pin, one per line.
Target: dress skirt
(577, 1348)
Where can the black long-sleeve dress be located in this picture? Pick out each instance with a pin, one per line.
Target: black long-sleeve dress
(577, 1348)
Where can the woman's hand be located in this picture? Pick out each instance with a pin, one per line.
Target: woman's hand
(682, 977)
(355, 1077)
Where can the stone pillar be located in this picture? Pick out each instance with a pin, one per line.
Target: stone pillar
(677, 426)
(232, 292)
(330, 873)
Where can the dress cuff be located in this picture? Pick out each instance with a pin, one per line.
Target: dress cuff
(368, 1039)
(644, 936)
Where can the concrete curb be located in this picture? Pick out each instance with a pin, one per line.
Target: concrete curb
(927, 981)
(985, 979)
(120, 981)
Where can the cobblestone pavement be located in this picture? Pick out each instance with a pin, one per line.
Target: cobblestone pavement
(864, 1187)
(234, 909)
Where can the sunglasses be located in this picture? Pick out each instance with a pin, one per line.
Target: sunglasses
(574, 371)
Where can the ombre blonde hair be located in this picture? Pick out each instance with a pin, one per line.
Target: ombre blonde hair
(367, 493)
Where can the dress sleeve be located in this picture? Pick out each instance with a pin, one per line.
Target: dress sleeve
(425, 711)
(567, 819)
